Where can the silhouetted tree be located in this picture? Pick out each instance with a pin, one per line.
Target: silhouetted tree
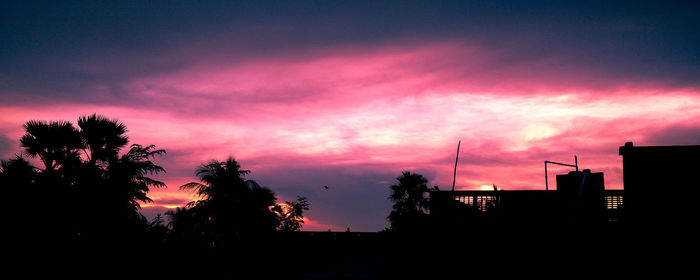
(186, 227)
(110, 187)
(130, 173)
(291, 214)
(102, 137)
(54, 143)
(234, 207)
(17, 179)
(410, 202)
(158, 231)
(231, 207)
(190, 227)
(125, 185)
(16, 173)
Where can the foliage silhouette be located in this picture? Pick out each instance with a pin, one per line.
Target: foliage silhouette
(102, 138)
(89, 191)
(91, 187)
(122, 186)
(17, 178)
(16, 172)
(231, 208)
(110, 186)
(55, 143)
(186, 227)
(291, 214)
(410, 202)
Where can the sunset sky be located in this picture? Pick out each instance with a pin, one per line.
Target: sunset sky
(350, 93)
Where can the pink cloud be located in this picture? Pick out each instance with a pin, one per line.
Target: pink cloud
(390, 109)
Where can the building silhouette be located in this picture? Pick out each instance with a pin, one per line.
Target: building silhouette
(579, 199)
(661, 185)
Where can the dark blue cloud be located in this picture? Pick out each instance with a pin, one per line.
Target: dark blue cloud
(46, 44)
(152, 212)
(354, 199)
(7, 146)
(680, 134)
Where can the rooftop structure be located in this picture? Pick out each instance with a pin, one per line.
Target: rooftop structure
(580, 199)
(660, 187)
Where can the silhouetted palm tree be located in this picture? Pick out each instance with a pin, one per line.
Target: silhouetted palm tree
(219, 180)
(158, 231)
(16, 178)
(54, 143)
(97, 197)
(16, 181)
(17, 171)
(233, 207)
(180, 219)
(410, 201)
(102, 137)
(114, 198)
(186, 226)
(129, 175)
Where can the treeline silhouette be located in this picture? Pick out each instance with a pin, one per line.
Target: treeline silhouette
(232, 209)
(77, 215)
(84, 201)
(79, 212)
(85, 189)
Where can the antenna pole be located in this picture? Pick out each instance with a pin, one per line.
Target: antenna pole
(546, 181)
(454, 177)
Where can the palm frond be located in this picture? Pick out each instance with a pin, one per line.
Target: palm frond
(151, 182)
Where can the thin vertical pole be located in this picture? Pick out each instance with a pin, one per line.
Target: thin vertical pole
(454, 177)
(546, 181)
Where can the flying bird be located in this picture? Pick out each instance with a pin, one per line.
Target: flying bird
(325, 187)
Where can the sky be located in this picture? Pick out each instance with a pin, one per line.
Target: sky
(348, 94)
